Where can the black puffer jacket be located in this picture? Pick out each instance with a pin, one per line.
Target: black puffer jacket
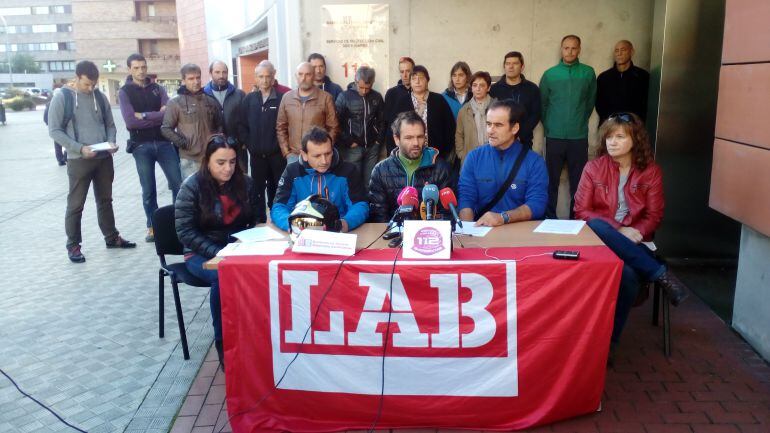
(389, 178)
(206, 241)
(362, 119)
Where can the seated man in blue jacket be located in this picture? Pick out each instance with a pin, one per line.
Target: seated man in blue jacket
(321, 171)
(486, 168)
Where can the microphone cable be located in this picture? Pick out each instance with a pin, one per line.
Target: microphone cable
(304, 337)
(39, 403)
(385, 343)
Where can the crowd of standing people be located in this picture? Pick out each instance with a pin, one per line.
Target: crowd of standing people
(358, 150)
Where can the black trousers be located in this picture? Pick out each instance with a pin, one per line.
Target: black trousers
(559, 151)
(266, 170)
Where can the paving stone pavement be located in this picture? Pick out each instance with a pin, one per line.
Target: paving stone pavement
(83, 338)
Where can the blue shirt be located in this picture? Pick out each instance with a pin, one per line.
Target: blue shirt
(486, 168)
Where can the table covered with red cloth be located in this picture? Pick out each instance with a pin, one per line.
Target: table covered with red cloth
(493, 339)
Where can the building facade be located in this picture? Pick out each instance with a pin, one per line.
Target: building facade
(108, 31)
(42, 29)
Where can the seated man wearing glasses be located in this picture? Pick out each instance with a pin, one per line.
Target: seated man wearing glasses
(320, 170)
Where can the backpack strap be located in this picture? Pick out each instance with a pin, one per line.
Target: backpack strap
(69, 112)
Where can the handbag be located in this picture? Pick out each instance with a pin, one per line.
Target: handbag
(504, 186)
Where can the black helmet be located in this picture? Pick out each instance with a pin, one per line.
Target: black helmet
(314, 213)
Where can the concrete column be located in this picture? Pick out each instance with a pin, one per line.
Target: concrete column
(751, 310)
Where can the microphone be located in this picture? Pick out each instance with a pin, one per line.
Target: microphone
(409, 193)
(449, 201)
(430, 198)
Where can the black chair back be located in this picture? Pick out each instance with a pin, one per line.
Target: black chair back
(166, 241)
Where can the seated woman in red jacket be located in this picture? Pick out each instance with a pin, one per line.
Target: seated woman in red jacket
(621, 196)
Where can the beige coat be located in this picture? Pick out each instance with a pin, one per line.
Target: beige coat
(466, 137)
(296, 118)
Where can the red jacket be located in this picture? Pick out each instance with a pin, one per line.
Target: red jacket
(597, 195)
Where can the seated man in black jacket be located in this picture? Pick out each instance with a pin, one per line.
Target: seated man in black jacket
(360, 111)
(411, 163)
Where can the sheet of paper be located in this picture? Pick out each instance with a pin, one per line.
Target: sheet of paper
(470, 230)
(267, 248)
(259, 234)
(100, 146)
(560, 227)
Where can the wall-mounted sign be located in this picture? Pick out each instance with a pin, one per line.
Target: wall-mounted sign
(256, 46)
(352, 36)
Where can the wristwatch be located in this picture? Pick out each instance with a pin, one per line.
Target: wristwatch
(144, 116)
(505, 216)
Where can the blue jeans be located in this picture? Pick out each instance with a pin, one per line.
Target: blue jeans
(145, 156)
(195, 266)
(639, 265)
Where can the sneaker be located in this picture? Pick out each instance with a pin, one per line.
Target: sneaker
(119, 242)
(150, 235)
(674, 289)
(62, 162)
(75, 255)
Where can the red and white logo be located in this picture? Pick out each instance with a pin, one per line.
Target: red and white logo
(428, 241)
(442, 319)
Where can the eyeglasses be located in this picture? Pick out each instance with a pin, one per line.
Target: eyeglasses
(623, 117)
(220, 139)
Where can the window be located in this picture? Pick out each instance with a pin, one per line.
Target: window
(44, 28)
(66, 46)
(150, 9)
(40, 10)
(64, 28)
(15, 11)
(153, 47)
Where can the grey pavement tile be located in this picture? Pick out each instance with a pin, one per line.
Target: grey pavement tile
(84, 338)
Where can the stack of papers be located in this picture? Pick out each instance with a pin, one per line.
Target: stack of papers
(560, 227)
(266, 248)
(259, 234)
(469, 229)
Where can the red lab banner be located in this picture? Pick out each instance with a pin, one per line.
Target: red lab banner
(475, 342)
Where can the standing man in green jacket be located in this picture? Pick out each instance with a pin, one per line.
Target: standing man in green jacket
(568, 92)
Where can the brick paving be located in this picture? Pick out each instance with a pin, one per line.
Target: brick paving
(714, 382)
(83, 338)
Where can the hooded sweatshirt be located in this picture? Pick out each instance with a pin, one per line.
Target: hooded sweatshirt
(87, 118)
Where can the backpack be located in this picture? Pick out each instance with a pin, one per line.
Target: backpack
(69, 111)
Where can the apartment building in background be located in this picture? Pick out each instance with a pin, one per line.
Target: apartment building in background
(42, 29)
(59, 33)
(108, 31)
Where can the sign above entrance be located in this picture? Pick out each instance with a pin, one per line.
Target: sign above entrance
(256, 46)
(354, 36)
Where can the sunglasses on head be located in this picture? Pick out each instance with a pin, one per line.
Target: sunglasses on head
(623, 117)
(219, 139)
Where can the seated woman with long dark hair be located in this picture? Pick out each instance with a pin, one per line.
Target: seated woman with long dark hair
(213, 203)
(621, 196)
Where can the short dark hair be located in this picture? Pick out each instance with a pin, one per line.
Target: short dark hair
(484, 75)
(316, 56)
(317, 135)
(189, 68)
(136, 57)
(515, 111)
(408, 117)
(575, 37)
(211, 66)
(87, 68)
(515, 54)
(420, 69)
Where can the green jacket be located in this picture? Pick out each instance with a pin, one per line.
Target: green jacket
(568, 93)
